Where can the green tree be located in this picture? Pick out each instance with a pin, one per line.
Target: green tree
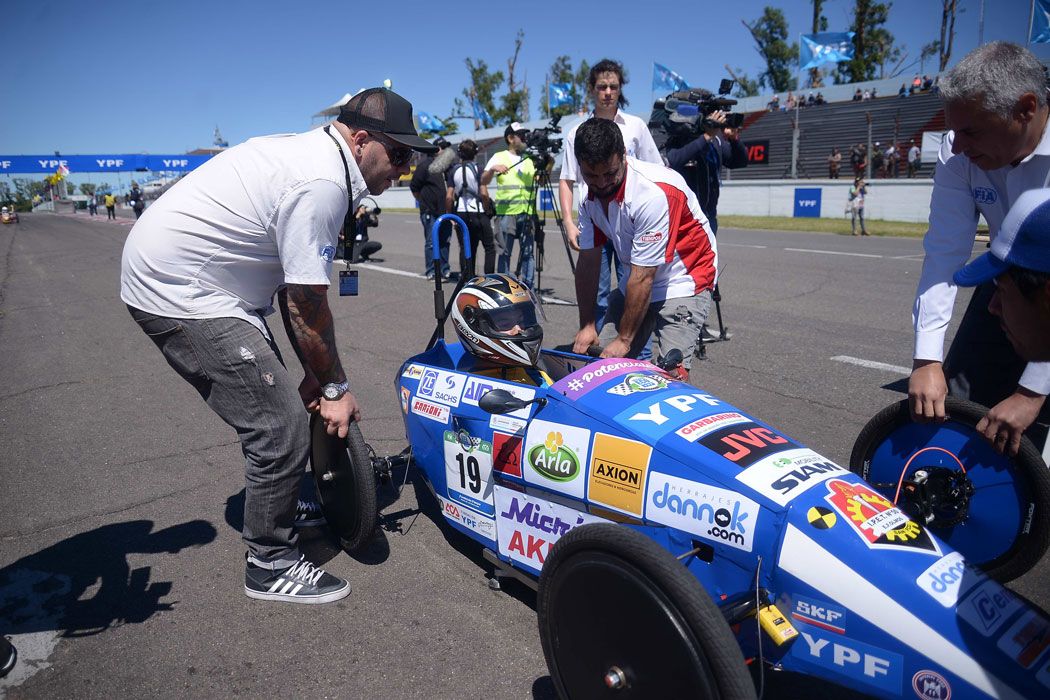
(87, 188)
(514, 103)
(561, 71)
(873, 44)
(482, 88)
(944, 45)
(745, 86)
(770, 33)
(820, 24)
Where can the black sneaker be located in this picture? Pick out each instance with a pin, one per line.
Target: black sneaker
(301, 583)
(8, 656)
(308, 514)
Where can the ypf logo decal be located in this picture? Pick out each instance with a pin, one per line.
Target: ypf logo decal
(879, 523)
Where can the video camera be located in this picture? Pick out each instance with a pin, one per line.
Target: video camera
(684, 115)
(540, 147)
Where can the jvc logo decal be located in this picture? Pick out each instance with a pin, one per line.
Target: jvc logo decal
(710, 512)
(746, 443)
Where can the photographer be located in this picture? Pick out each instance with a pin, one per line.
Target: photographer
(515, 175)
(701, 160)
(428, 188)
(463, 196)
(360, 247)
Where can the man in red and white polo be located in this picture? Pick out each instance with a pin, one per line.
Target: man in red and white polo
(659, 231)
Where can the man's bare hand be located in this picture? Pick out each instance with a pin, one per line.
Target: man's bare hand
(572, 234)
(585, 338)
(338, 414)
(926, 391)
(617, 348)
(499, 169)
(1006, 422)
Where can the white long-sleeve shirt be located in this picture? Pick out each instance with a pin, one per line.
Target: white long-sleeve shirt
(961, 190)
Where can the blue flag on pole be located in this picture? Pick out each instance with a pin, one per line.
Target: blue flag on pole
(825, 47)
(1040, 33)
(429, 123)
(666, 79)
(559, 94)
(482, 115)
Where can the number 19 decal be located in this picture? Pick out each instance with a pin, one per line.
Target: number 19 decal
(468, 471)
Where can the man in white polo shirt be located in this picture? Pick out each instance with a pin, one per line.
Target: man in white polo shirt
(660, 233)
(995, 102)
(199, 273)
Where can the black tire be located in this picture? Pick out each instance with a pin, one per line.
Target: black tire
(1029, 472)
(609, 597)
(348, 497)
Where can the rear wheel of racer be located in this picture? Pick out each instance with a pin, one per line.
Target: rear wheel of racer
(990, 507)
(620, 617)
(346, 483)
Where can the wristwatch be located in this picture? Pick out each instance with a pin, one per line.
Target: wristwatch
(334, 392)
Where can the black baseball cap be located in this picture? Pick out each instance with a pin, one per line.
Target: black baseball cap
(384, 111)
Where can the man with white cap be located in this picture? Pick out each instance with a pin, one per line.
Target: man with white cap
(1019, 263)
(515, 176)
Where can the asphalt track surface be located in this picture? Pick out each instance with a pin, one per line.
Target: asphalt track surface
(120, 492)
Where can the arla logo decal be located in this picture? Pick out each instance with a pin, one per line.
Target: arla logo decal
(707, 511)
(930, 685)
(555, 455)
(637, 382)
(949, 578)
(553, 460)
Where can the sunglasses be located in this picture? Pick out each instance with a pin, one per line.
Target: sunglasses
(399, 155)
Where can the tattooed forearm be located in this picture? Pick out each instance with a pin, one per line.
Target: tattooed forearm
(309, 323)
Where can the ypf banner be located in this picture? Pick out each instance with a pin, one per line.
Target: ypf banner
(108, 163)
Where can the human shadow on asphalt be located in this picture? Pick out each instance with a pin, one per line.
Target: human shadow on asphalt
(83, 585)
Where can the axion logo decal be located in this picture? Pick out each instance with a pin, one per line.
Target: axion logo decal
(617, 476)
(553, 460)
(879, 523)
(637, 382)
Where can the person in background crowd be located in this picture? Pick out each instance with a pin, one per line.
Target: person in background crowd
(515, 176)
(995, 105)
(463, 196)
(914, 159)
(834, 162)
(605, 85)
(892, 159)
(361, 248)
(136, 199)
(857, 193)
(429, 191)
(92, 204)
(111, 206)
(857, 96)
(878, 160)
(903, 92)
(259, 223)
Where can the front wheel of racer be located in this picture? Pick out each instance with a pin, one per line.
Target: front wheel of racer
(990, 507)
(346, 483)
(620, 617)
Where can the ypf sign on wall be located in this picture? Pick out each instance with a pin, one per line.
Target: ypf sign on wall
(807, 202)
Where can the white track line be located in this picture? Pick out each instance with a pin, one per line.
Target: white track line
(871, 364)
(451, 285)
(833, 252)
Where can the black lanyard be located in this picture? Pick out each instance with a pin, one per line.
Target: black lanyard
(349, 193)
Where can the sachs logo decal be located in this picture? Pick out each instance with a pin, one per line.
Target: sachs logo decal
(554, 461)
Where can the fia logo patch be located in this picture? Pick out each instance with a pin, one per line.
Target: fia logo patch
(985, 195)
(328, 253)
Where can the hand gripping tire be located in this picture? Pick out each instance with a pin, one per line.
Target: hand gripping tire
(1004, 526)
(620, 617)
(346, 483)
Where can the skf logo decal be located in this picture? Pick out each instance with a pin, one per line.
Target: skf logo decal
(506, 454)
(821, 518)
(651, 237)
(819, 614)
(876, 521)
(746, 443)
(618, 470)
(985, 195)
(930, 685)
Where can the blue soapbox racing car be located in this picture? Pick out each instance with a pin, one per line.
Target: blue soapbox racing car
(675, 540)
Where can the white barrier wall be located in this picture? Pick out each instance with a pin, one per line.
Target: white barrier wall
(890, 200)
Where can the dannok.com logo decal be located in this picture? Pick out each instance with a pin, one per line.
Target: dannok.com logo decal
(553, 460)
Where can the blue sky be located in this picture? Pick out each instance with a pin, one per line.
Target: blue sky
(145, 76)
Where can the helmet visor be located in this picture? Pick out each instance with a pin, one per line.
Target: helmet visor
(504, 320)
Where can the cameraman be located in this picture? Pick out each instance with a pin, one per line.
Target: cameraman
(360, 247)
(605, 85)
(515, 176)
(701, 160)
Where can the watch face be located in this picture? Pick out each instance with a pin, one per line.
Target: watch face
(331, 393)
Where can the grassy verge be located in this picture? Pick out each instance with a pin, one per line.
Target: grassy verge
(876, 227)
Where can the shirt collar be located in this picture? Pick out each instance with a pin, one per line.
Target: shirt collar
(618, 118)
(1043, 147)
(359, 190)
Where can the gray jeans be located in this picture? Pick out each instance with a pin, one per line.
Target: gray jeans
(241, 376)
(674, 323)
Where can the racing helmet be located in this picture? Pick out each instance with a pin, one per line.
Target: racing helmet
(485, 314)
(3, 209)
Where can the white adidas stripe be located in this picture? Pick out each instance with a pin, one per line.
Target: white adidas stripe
(812, 564)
